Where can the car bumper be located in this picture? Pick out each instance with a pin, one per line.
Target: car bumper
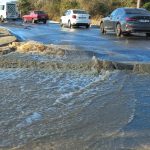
(81, 23)
(41, 19)
(137, 28)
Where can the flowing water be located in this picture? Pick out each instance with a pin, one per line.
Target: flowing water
(55, 110)
(69, 102)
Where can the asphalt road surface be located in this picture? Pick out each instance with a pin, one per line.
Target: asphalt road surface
(134, 48)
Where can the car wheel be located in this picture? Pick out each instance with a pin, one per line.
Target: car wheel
(147, 34)
(118, 29)
(61, 24)
(87, 26)
(102, 28)
(126, 34)
(34, 21)
(69, 24)
(44, 21)
(24, 20)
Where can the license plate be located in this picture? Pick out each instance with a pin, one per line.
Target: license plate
(142, 20)
(82, 17)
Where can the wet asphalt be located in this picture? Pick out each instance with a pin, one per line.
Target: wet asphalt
(134, 90)
(134, 48)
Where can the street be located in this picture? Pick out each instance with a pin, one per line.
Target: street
(135, 48)
(62, 102)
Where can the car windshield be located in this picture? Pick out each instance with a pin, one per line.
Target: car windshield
(137, 11)
(39, 12)
(79, 12)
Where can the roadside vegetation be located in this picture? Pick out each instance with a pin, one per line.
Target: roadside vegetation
(96, 8)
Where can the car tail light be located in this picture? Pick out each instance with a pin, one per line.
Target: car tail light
(89, 17)
(128, 26)
(130, 19)
(74, 16)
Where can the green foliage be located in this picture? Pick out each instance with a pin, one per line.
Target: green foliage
(69, 5)
(129, 3)
(147, 6)
(24, 6)
(53, 9)
(96, 8)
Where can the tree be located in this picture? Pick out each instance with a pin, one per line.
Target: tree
(24, 6)
(138, 3)
(72, 4)
(98, 9)
(147, 6)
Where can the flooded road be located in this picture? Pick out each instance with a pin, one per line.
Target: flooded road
(65, 111)
(64, 102)
(107, 47)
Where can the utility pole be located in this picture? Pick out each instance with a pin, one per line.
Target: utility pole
(138, 3)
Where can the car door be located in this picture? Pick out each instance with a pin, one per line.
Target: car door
(68, 16)
(30, 16)
(113, 19)
(108, 21)
(117, 18)
(65, 17)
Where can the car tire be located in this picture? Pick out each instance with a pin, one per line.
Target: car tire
(147, 34)
(102, 28)
(61, 24)
(24, 20)
(126, 34)
(69, 24)
(87, 26)
(34, 21)
(118, 30)
(44, 21)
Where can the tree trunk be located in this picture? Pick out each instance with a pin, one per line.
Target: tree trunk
(138, 3)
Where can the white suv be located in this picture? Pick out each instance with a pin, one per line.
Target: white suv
(75, 17)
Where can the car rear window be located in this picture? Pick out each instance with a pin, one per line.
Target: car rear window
(79, 12)
(137, 11)
(39, 12)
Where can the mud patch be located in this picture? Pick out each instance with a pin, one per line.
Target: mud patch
(36, 47)
(33, 54)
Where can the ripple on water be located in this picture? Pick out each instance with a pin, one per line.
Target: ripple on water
(89, 110)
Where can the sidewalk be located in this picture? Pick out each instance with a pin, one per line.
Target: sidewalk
(6, 37)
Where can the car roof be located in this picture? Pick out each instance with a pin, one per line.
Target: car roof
(132, 8)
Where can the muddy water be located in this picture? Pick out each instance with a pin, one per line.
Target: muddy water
(63, 102)
(54, 110)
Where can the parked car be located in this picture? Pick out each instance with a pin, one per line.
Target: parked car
(75, 17)
(36, 16)
(126, 21)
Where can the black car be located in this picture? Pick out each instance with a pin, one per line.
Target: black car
(126, 21)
